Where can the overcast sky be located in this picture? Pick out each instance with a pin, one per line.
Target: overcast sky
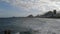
(9, 8)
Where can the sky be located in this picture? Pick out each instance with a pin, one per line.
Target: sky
(22, 8)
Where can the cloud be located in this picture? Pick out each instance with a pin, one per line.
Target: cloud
(40, 5)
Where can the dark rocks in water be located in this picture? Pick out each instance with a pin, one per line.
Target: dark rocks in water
(7, 32)
(53, 33)
(26, 32)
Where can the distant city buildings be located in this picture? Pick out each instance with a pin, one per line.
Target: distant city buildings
(49, 14)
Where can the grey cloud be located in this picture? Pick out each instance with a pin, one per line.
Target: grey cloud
(35, 4)
(55, 0)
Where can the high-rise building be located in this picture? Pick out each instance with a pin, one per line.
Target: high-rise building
(54, 11)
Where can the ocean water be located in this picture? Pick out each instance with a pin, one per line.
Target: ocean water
(30, 25)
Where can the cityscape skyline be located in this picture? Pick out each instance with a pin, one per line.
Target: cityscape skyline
(22, 8)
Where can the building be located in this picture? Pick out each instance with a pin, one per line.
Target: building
(54, 11)
(50, 14)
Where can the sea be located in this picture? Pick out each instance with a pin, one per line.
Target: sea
(30, 25)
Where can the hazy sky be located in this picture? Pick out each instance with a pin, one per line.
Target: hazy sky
(9, 8)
